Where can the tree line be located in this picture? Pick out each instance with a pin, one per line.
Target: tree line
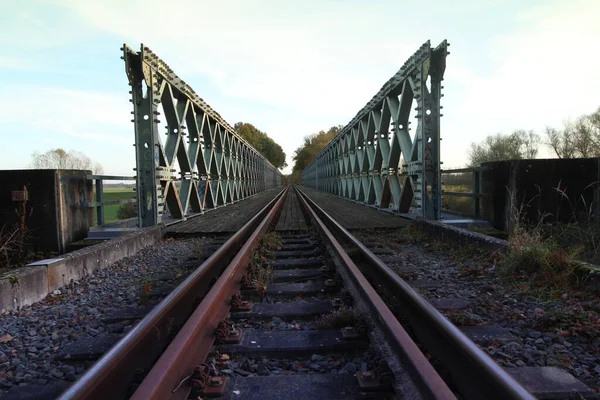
(309, 149)
(262, 142)
(62, 159)
(578, 139)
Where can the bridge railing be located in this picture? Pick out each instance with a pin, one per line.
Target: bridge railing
(100, 203)
(455, 189)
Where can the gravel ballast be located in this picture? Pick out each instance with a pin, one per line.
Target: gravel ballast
(31, 338)
(561, 330)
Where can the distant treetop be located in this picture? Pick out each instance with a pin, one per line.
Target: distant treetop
(263, 143)
(60, 159)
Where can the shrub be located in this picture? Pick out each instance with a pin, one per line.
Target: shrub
(536, 255)
(126, 210)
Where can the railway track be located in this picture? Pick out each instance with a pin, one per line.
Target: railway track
(206, 340)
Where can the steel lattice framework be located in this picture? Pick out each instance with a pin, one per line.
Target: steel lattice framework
(215, 165)
(363, 162)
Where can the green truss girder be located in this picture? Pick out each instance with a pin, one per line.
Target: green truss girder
(216, 166)
(374, 160)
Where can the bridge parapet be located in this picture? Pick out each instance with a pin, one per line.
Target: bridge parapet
(363, 162)
(216, 166)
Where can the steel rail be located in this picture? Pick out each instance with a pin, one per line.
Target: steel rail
(426, 379)
(111, 375)
(475, 374)
(191, 345)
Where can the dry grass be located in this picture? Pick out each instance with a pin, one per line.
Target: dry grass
(537, 252)
(260, 272)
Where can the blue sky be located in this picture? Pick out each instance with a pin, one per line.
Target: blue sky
(291, 68)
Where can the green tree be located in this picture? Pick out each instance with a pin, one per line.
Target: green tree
(312, 145)
(263, 143)
(578, 139)
(520, 144)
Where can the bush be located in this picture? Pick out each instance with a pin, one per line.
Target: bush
(126, 210)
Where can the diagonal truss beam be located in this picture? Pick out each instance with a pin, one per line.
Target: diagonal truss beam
(216, 166)
(364, 161)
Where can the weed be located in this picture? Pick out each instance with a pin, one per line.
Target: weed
(570, 321)
(260, 272)
(126, 210)
(340, 318)
(145, 290)
(12, 279)
(535, 254)
(463, 318)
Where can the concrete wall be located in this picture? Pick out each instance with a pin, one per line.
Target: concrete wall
(35, 281)
(57, 212)
(74, 216)
(531, 186)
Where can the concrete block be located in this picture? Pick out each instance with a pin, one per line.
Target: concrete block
(55, 270)
(86, 348)
(551, 383)
(293, 289)
(485, 334)
(31, 285)
(287, 311)
(287, 343)
(450, 303)
(297, 387)
(425, 284)
(41, 278)
(458, 235)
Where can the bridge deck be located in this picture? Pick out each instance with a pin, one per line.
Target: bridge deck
(228, 219)
(352, 215)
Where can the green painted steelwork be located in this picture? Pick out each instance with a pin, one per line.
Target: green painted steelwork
(216, 166)
(364, 161)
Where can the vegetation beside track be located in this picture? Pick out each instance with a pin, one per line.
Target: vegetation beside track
(117, 211)
(260, 272)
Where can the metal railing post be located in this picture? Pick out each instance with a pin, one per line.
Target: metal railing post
(476, 192)
(99, 198)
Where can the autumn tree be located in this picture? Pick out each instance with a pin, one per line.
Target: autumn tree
(263, 143)
(520, 144)
(61, 159)
(576, 139)
(312, 145)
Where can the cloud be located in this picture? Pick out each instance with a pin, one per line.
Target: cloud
(317, 62)
(543, 72)
(57, 111)
(306, 66)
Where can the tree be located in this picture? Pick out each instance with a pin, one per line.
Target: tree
(312, 145)
(578, 139)
(263, 143)
(60, 159)
(520, 144)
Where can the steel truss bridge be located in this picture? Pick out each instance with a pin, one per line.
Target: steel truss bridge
(363, 162)
(204, 164)
(215, 165)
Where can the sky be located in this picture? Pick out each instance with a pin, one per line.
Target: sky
(291, 68)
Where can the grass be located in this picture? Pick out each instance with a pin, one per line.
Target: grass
(110, 212)
(260, 272)
(414, 234)
(547, 258)
(458, 204)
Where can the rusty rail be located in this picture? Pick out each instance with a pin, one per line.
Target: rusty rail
(191, 345)
(426, 379)
(476, 375)
(111, 375)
